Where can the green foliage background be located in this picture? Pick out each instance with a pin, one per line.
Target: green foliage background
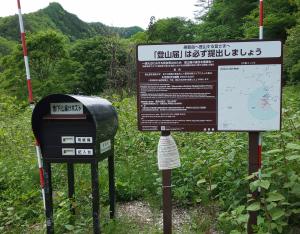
(68, 55)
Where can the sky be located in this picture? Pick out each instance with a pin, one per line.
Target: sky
(120, 13)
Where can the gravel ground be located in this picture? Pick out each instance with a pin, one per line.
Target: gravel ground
(142, 213)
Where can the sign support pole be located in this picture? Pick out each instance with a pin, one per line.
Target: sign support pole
(255, 140)
(253, 167)
(167, 196)
(261, 37)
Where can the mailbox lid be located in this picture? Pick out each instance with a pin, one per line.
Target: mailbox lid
(100, 110)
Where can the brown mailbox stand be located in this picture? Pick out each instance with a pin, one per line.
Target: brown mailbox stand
(76, 129)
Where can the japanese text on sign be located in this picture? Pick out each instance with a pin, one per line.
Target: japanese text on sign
(69, 108)
(230, 50)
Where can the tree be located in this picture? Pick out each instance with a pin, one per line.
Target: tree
(224, 19)
(279, 15)
(292, 51)
(12, 74)
(52, 70)
(6, 46)
(45, 49)
(140, 37)
(203, 7)
(171, 30)
(100, 58)
(117, 73)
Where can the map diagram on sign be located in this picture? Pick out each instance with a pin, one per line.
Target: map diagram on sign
(249, 97)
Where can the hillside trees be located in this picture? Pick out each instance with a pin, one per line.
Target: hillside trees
(87, 66)
(49, 63)
(55, 17)
(6, 46)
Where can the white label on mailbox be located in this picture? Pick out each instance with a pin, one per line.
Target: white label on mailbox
(105, 146)
(84, 151)
(67, 140)
(66, 108)
(84, 140)
(68, 151)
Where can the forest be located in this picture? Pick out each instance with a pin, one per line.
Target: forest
(68, 55)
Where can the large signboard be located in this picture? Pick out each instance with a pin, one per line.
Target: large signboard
(217, 86)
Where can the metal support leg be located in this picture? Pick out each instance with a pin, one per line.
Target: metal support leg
(112, 193)
(253, 167)
(95, 197)
(48, 198)
(167, 196)
(167, 201)
(71, 186)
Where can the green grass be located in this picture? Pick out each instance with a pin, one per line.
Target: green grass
(213, 175)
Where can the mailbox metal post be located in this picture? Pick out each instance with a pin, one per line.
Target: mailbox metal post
(112, 192)
(71, 186)
(95, 197)
(48, 198)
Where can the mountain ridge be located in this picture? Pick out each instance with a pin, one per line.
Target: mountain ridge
(55, 17)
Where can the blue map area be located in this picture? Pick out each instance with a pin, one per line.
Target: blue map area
(260, 104)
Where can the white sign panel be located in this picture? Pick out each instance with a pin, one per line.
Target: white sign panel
(68, 108)
(84, 152)
(68, 151)
(67, 140)
(249, 97)
(84, 140)
(105, 146)
(167, 153)
(220, 50)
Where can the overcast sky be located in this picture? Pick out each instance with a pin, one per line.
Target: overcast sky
(110, 12)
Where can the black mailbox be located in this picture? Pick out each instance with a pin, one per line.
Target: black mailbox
(74, 128)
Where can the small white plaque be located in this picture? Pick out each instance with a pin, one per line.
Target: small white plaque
(105, 146)
(67, 140)
(84, 140)
(68, 151)
(66, 108)
(84, 151)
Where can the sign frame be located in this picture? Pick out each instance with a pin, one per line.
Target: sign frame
(257, 61)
